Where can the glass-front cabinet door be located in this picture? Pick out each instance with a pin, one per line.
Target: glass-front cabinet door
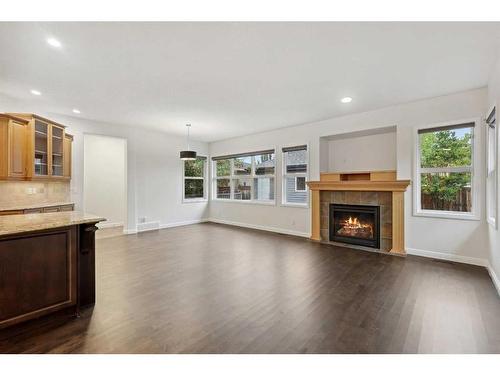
(41, 160)
(57, 137)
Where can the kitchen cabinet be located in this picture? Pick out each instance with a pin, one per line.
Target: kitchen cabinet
(13, 146)
(44, 146)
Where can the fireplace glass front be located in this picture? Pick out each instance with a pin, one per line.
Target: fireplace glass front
(355, 224)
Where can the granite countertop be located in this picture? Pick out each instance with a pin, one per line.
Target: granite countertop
(12, 224)
(31, 206)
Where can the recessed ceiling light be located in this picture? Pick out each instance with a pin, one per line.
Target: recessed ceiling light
(36, 92)
(54, 42)
(76, 111)
(347, 99)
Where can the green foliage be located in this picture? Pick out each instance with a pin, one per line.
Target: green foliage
(194, 168)
(445, 149)
(193, 188)
(223, 167)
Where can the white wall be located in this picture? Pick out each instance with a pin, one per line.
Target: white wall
(104, 186)
(363, 153)
(493, 235)
(154, 170)
(459, 239)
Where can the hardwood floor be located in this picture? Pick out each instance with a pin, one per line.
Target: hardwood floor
(211, 288)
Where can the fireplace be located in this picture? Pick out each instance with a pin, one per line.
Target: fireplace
(355, 224)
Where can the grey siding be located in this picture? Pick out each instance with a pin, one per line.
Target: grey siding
(291, 195)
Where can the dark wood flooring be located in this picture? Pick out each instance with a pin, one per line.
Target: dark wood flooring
(212, 288)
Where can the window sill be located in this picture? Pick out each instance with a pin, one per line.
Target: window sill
(264, 203)
(447, 215)
(295, 205)
(195, 200)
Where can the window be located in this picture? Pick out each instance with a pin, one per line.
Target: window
(194, 179)
(295, 160)
(300, 184)
(245, 177)
(444, 171)
(491, 169)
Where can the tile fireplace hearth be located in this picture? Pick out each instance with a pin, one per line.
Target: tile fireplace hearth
(375, 188)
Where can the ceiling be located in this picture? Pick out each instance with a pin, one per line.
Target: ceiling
(232, 79)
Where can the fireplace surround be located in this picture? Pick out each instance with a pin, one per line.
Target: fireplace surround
(355, 224)
(373, 188)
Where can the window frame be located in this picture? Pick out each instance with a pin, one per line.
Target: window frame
(492, 159)
(284, 176)
(473, 169)
(251, 178)
(204, 178)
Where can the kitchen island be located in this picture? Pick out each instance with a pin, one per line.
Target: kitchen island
(47, 264)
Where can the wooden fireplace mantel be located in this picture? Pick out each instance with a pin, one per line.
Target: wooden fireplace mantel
(363, 181)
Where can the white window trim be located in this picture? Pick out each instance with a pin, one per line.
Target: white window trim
(284, 175)
(204, 178)
(250, 177)
(476, 210)
(492, 220)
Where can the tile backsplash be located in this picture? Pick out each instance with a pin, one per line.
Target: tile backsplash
(18, 193)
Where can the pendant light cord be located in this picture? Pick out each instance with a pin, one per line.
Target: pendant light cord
(188, 126)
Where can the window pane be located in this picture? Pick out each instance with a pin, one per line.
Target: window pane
(296, 161)
(242, 189)
(292, 196)
(264, 188)
(223, 167)
(194, 168)
(193, 188)
(264, 164)
(243, 165)
(492, 196)
(446, 148)
(223, 189)
(300, 183)
(446, 191)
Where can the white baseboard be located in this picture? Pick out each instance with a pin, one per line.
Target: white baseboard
(450, 257)
(150, 225)
(182, 223)
(104, 225)
(155, 225)
(494, 277)
(261, 227)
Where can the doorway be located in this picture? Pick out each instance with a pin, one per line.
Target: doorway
(105, 178)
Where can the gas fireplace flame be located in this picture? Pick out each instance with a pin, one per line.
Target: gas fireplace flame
(354, 228)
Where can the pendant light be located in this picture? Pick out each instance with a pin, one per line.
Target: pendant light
(188, 155)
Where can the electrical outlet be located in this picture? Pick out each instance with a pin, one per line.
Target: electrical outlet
(142, 219)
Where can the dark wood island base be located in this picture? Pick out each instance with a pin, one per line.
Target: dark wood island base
(47, 265)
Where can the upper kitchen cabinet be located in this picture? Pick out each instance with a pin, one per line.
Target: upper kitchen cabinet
(48, 149)
(13, 145)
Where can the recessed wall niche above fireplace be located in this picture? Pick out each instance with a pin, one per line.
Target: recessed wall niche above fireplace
(355, 224)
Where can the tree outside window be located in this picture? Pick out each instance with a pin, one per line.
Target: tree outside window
(194, 179)
(446, 168)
